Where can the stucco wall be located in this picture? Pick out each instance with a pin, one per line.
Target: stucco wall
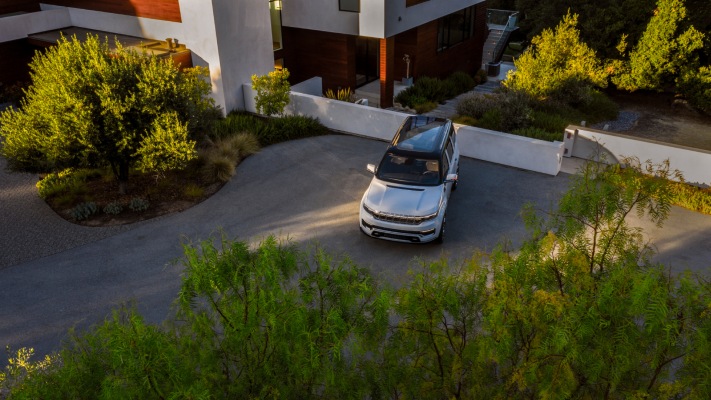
(16, 27)
(591, 144)
(377, 18)
(501, 148)
(231, 38)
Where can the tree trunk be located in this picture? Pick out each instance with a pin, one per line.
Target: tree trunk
(123, 178)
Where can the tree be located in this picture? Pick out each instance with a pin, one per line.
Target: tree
(578, 312)
(89, 107)
(557, 64)
(696, 88)
(663, 53)
(272, 91)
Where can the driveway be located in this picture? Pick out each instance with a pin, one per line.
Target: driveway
(307, 190)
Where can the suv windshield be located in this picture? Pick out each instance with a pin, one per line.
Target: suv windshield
(409, 170)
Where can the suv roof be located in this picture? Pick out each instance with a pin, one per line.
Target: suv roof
(421, 134)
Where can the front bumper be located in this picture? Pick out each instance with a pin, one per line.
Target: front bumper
(421, 233)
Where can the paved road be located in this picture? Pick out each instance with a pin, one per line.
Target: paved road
(308, 190)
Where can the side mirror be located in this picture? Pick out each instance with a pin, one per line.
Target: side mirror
(451, 178)
(371, 168)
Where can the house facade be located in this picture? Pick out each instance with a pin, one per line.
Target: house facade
(346, 42)
(352, 42)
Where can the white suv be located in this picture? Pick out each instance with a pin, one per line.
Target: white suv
(408, 196)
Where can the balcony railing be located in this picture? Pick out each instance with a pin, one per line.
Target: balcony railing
(506, 19)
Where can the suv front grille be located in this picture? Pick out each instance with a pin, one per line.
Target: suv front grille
(398, 219)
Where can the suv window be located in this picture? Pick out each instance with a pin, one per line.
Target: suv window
(450, 149)
(409, 170)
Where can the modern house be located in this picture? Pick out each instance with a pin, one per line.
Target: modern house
(348, 43)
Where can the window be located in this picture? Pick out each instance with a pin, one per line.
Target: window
(455, 28)
(349, 5)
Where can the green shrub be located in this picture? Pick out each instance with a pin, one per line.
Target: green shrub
(538, 133)
(548, 122)
(692, 197)
(113, 208)
(138, 204)
(516, 111)
(342, 95)
(475, 105)
(599, 107)
(695, 85)
(83, 211)
(410, 97)
(425, 107)
(56, 182)
(193, 191)
(464, 120)
(491, 120)
(432, 89)
(481, 76)
(241, 122)
(293, 127)
(218, 168)
(461, 82)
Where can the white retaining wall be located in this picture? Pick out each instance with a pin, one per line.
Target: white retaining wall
(512, 150)
(497, 147)
(590, 144)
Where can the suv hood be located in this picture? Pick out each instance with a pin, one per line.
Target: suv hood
(393, 198)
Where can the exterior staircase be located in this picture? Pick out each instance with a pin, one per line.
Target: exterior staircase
(501, 23)
(492, 45)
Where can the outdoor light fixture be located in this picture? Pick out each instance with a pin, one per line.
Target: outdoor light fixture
(277, 5)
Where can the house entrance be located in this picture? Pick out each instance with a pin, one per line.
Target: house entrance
(367, 56)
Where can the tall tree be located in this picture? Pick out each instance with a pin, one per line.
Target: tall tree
(557, 63)
(89, 106)
(664, 52)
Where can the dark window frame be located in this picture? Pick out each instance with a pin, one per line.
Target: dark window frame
(461, 23)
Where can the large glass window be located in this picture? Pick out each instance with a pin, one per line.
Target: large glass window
(275, 13)
(455, 28)
(349, 5)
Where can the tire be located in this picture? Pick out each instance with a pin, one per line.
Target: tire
(442, 231)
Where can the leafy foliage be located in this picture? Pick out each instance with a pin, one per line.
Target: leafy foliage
(292, 127)
(665, 50)
(578, 312)
(89, 106)
(272, 92)
(342, 95)
(83, 211)
(557, 64)
(696, 88)
(138, 204)
(427, 92)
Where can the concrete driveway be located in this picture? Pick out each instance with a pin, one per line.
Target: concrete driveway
(306, 190)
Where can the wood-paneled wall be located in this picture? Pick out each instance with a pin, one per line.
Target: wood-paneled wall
(12, 6)
(167, 10)
(421, 44)
(328, 55)
(14, 58)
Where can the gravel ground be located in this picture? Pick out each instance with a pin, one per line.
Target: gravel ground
(625, 121)
(29, 229)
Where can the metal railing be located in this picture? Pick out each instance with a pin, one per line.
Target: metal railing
(506, 18)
